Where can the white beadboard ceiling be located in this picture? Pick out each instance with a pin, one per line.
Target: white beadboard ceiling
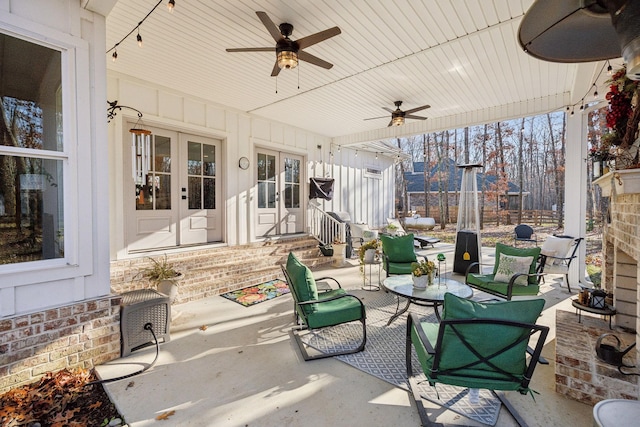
(460, 56)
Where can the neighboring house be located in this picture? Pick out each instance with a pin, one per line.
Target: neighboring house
(415, 181)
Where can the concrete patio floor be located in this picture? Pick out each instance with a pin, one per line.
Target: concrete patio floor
(227, 365)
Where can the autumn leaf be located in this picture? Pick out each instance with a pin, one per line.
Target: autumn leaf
(203, 327)
(95, 405)
(165, 416)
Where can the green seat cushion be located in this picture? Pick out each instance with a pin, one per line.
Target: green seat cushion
(398, 248)
(519, 252)
(485, 339)
(341, 310)
(485, 281)
(303, 284)
(398, 267)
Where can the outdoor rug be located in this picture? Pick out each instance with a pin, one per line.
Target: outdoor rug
(384, 356)
(258, 293)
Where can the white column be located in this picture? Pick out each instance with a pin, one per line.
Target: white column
(575, 189)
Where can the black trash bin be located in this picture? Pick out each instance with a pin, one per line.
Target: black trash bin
(344, 217)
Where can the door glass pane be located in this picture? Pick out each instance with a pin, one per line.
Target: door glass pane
(162, 191)
(271, 168)
(31, 207)
(195, 192)
(262, 167)
(295, 202)
(156, 192)
(209, 193)
(209, 157)
(262, 195)
(194, 162)
(162, 157)
(271, 194)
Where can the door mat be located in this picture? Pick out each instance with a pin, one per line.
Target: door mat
(258, 293)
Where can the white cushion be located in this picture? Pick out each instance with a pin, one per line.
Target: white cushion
(556, 247)
(509, 265)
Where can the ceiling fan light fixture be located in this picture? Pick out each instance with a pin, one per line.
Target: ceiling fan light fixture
(287, 59)
(397, 121)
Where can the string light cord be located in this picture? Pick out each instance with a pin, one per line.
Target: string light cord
(589, 90)
(115, 46)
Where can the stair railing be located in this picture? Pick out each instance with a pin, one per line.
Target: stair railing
(325, 228)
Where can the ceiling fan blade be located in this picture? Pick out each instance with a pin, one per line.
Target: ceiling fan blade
(276, 70)
(253, 49)
(318, 37)
(269, 24)
(304, 56)
(376, 118)
(388, 109)
(390, 123)
(409, 116)
(413, 110)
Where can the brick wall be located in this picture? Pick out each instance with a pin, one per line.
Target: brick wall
(579, 373)
(82, 335)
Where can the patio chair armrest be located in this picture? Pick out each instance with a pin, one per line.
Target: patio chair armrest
(412, 319)
(329, 278)
(469, 268)
(513, 279)
(423, 256)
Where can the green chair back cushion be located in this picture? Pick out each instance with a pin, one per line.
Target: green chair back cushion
(486, 339)
(398, 248)
(519, 252)
(304, 285)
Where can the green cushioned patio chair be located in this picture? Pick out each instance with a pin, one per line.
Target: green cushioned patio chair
(398, 253)
(477, 346)
(320, 310)
(516, 277)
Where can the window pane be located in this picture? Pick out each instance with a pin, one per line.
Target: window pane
(209, 193)
(272, 195)
(195, 193)
(262, 193)
(209, 154)
(162, 191)
(162, 158)
(194, 163)
(295, 202)
(262, 167)
(31, 209)
(31, 94)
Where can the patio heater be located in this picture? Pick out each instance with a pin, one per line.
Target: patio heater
(467, 248)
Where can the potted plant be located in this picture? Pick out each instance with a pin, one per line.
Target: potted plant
(422, 273)
(392, 229)
(163, 275)
(367, 252)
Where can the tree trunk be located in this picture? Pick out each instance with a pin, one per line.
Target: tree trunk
(485, 137)
(520, 171)
(425, 169)
(556, 172)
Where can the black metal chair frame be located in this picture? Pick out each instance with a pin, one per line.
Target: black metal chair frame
(524, 382)
(301, 324)
(565, 260)
(524, 233)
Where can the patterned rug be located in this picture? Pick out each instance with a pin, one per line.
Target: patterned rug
(258, 293)
(384, 357)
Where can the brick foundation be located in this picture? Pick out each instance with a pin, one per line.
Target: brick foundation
(580, 375)
(80, 335)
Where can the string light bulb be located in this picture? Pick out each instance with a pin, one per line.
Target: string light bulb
(139, 38)
(356, 153)
(609, 68)
(376, 156)
(595, 92)
(114, 55)
(171, 5)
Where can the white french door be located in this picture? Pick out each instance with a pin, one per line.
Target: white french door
(279, 193)
(200, 219)
(177, 202)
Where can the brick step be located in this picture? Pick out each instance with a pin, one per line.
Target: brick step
(213, 271)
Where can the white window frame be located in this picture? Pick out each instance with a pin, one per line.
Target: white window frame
(77, 175)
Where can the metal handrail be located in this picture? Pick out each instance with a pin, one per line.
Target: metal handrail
(325, 228)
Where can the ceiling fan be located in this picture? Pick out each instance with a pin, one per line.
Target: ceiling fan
(583, 31)
(398, 116)
(288, 51)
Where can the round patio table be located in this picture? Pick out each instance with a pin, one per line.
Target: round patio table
(432, 296)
